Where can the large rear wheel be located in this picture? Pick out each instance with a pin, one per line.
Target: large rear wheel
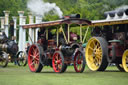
(3, 59)
(125, 61)
(58, 62)
(79, 61)
(96, 54)
(34, 56)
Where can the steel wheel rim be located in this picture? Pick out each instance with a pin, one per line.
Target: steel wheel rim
(57, 62)
(78, 62)
(22, 58)
(3, 60)
(125, 60)
(93, 54)
(33, 58)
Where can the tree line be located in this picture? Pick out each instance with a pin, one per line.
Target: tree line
(89, 9)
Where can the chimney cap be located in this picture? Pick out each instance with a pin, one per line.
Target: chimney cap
(2, 17)
(21, 12)
(6, 11)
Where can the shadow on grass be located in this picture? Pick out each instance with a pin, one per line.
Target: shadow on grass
(104, 71)
(112, 71)
(52, 72)
(73, 72)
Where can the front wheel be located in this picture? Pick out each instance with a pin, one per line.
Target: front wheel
(79, 61)
(3, 59)
(96, 54)
(58, 62)
(22, 58)
(34, 56)
(125, 61)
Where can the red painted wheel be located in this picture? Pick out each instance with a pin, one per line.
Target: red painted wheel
(34, 55)
(58, 62)
(79, 61)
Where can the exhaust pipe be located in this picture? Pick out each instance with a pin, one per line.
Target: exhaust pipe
(71, 16)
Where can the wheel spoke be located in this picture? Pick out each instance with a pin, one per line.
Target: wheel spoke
(32, 63)
(33, 50)
(59, 66)
(90, 59)
(91, 48)
(93, 43)
(37, 54)
(31, 55)
(37, 59)
(57, 57)
(98, 61)
(80, 66)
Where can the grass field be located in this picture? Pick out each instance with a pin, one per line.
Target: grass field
(14, 75)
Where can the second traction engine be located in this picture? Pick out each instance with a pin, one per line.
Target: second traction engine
(7, 45)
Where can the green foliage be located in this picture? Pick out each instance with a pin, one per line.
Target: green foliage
(89, 9)
(13, 6)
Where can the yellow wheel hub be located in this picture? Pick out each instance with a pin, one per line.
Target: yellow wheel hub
(125, 60)
(93, 54)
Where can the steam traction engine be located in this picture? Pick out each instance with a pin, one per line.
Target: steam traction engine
(6, 47)
(109, 43)
(57, 49)
(9, 49)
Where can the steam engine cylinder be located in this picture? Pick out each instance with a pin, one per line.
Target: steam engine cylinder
(7, 45)
(3, 47)
(66, 50)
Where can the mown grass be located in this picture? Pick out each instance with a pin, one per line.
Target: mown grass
(14, 75)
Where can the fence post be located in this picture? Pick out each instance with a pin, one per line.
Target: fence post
(24, 34)
(2, 23)
(6, 22)
(15, 24)
(20, 44)
(38, 20)
(31, 31)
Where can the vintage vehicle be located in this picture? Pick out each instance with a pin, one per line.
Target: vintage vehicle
(109, 43)
(57, 46)
(9, 51)
(7, 47)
